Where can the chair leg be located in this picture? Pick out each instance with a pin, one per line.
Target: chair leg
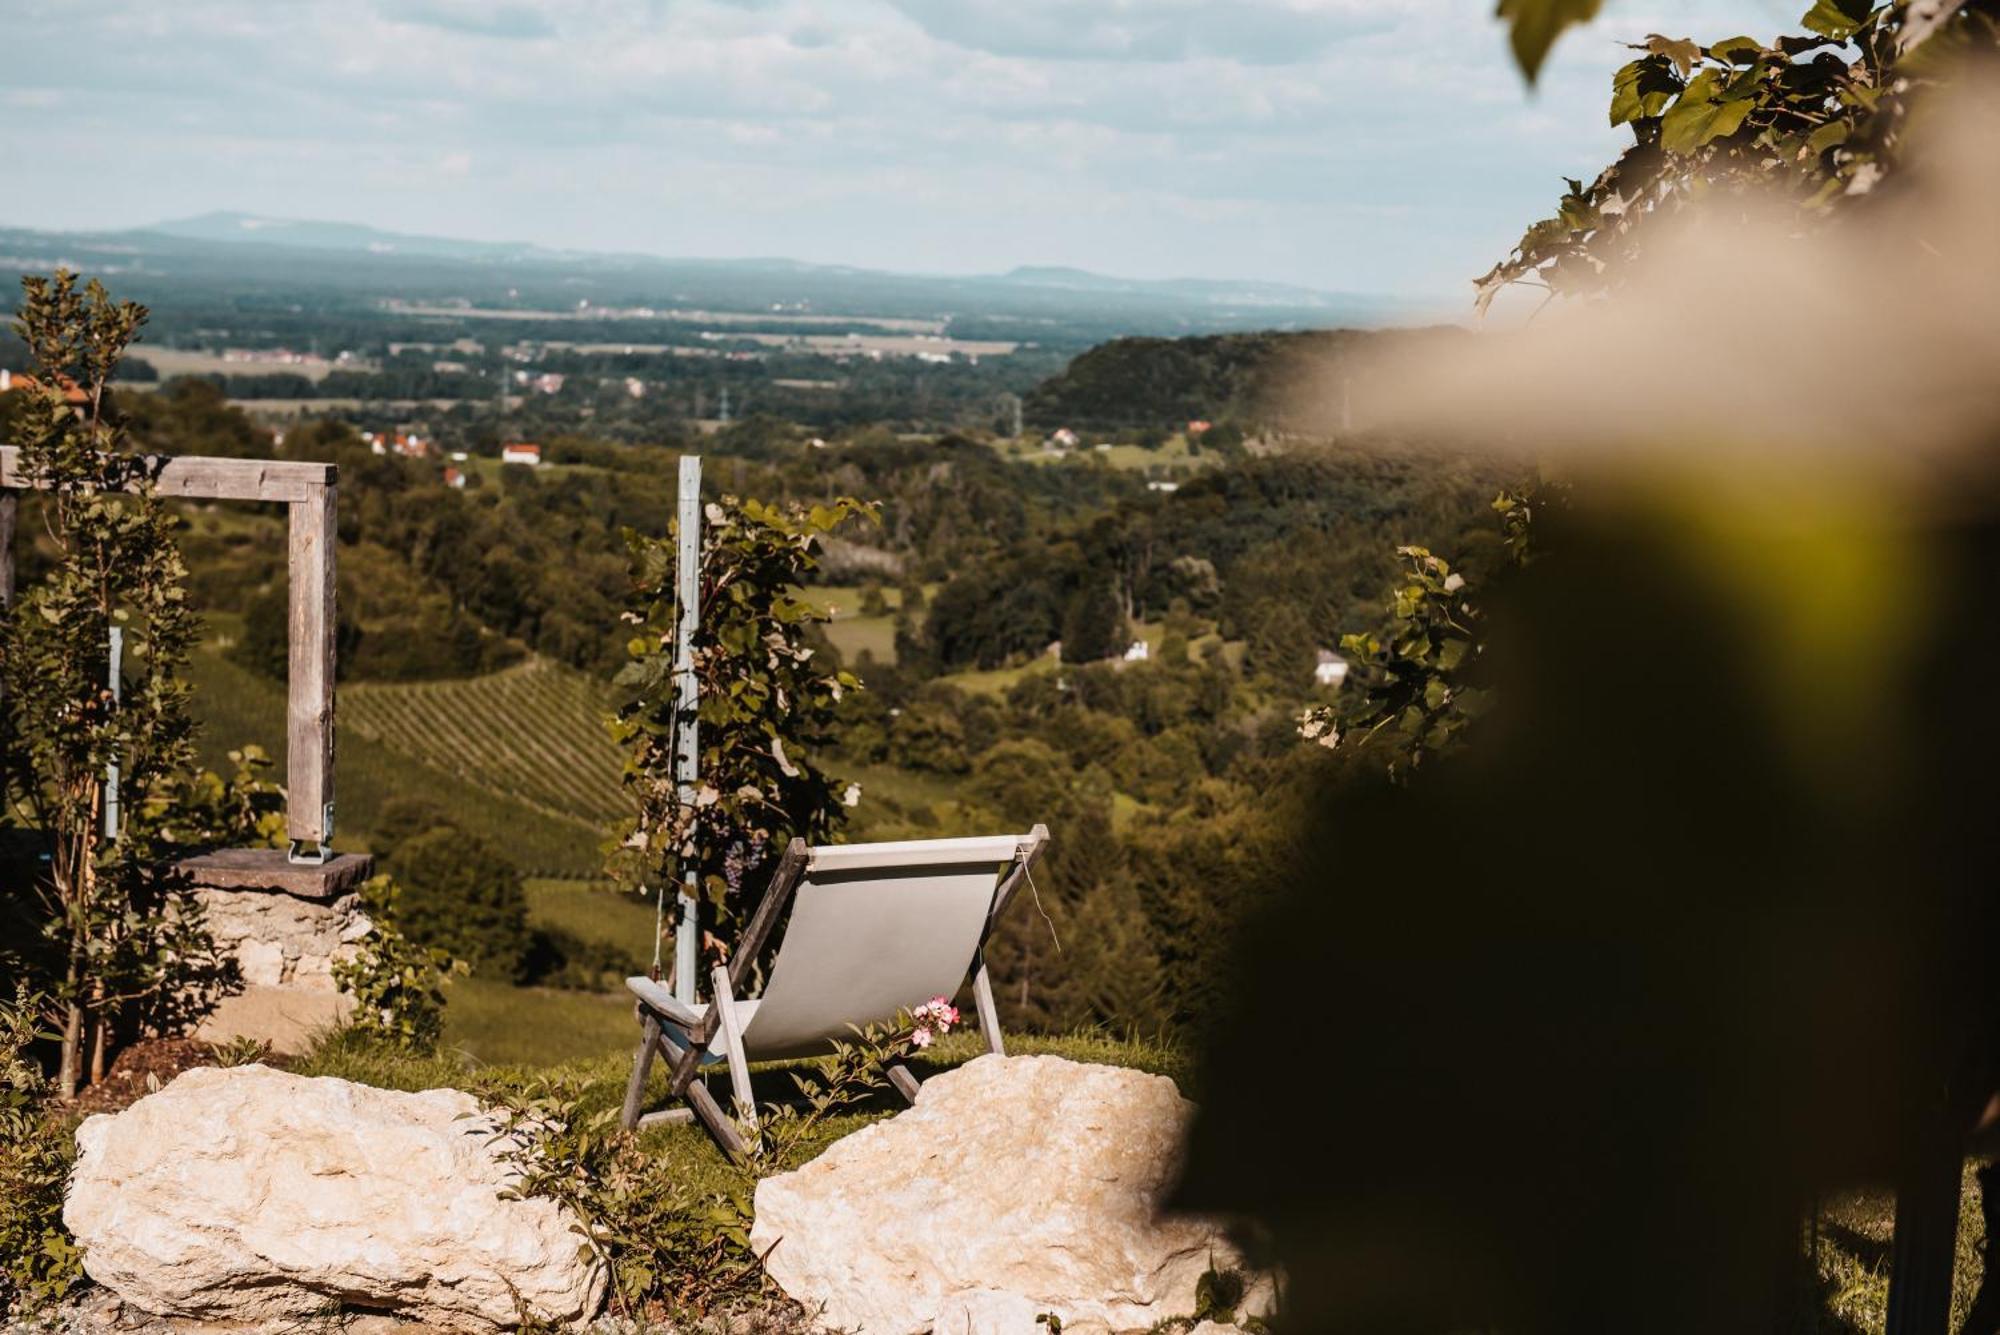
(642, 1066)
(905, 1083)
(732, 1044)
(989, 1015)
(718, 1122)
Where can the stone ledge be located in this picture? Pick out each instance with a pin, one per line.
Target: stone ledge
(269, 870)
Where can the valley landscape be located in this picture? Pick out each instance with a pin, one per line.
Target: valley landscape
(851, 735)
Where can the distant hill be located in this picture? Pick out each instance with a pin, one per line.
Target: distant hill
(251, 229)
(224, 262)
(1292, 381)
(1223, 290)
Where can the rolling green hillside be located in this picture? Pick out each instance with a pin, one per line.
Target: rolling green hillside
(532, 734)
(489, 783)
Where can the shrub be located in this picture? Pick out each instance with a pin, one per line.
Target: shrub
(127, 947)
(38, 1262)
(462, 897)
(767, 704)
(397, 985)
(560, 958)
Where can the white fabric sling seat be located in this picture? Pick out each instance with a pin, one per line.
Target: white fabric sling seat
(875, 929)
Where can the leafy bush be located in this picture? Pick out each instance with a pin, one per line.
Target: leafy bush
(667, 1243)
(558, 957)
(671, 1242)
(766, 705)
(130, 948)
(397, 985)
(462, 897)
(38, 1262)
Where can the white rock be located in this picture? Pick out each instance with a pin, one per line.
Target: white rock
(1015, 1186)
(252, 1195)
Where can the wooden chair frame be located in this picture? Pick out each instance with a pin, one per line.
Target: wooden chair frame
(719, 1018)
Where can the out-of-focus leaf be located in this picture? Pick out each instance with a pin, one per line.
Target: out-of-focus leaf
(1534, 25)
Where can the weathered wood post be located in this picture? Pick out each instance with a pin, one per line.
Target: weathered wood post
(687, 751)
(309, 693)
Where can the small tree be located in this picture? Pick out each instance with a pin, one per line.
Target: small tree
(116, 563)
(766, 703)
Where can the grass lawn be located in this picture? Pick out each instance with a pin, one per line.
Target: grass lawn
(849, 630)
(492, 1023)
(996, 681)
(856, 635)
(593, 911)
(603, 1034)
(589, 1039)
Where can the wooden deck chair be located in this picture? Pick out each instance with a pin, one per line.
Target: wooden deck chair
(878, 928)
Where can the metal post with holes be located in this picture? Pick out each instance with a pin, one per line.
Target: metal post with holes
(687, 752)
(115, 679)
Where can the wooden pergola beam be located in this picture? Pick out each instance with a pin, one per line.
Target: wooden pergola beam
(197, 477)
(308, 492)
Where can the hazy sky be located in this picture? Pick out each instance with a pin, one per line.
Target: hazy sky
(1365, 145)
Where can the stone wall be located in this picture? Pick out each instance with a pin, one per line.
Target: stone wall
(286, 925)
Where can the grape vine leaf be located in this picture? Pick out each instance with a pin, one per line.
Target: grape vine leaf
(1680, 50)
(1838, 19)
(1701, 116)
(1642, 88)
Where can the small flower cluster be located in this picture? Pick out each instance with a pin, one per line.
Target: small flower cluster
(933, 1019)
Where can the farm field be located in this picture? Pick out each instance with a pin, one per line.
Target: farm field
(533, 733)
(850, 631)
(496, 1024)
(236, 707)
(593, 911)
(170, 362)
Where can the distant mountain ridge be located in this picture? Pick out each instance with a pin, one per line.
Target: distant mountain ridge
(254, 229)
(209, 262)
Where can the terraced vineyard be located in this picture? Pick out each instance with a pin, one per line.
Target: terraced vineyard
(533, 734)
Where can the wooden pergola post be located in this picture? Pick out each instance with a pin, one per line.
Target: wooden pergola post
(307, 491)
(309, 675)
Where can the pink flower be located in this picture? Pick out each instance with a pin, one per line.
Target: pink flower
(921, 1038)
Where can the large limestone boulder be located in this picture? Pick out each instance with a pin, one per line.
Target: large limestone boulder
(1015, 1186)
(252, 1195)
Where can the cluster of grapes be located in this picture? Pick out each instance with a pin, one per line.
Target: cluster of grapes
(742, 857)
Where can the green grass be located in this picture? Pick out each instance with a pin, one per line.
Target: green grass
(850, 631)
(854, 636)
(997, 681)
(593, 911)
(494, 1024)
(598, 1033)
(592, 1046)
